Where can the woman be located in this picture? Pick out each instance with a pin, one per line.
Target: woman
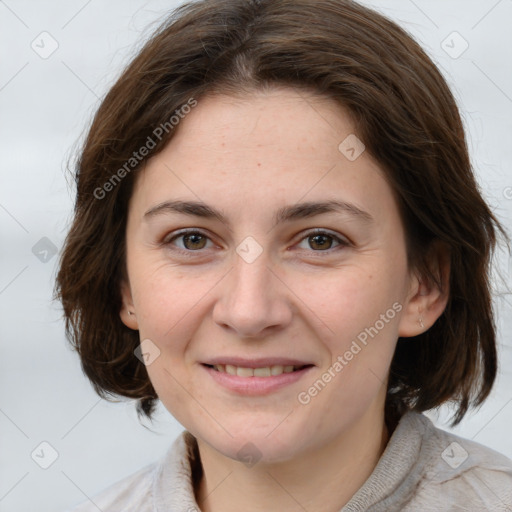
(278, 234)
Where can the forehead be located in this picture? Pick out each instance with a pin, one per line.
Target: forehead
(280, 121)
(281, 144)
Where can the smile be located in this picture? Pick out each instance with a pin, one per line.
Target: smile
(260, 380)
(265, 371)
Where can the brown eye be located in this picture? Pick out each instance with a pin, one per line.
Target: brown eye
(190, 241)
(322, 241)
(194, 241)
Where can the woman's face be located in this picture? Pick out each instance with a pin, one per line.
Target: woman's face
(255, 287)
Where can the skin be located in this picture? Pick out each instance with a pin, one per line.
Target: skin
(249, 156)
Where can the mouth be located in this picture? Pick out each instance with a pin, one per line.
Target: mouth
(261, 371)
(255, 377)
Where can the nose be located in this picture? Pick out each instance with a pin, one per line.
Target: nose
(254, 300)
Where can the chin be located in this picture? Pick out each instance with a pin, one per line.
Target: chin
(252, 443)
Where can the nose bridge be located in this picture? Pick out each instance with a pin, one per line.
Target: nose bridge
(252, 276)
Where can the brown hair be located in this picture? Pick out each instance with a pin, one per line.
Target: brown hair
(404, 113)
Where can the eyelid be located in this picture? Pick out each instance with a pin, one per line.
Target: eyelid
(188, 231)
(322, 231)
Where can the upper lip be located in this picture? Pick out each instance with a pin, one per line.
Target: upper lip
(262, 362)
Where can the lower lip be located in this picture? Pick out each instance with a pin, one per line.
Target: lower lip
(256, 385)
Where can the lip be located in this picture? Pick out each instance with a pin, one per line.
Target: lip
(254, 386)
(256, 363)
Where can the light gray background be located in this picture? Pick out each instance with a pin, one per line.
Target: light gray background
(46, 104)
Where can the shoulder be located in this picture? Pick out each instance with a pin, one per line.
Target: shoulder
(460, 472)
(127, 495)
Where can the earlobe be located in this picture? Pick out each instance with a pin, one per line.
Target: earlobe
(413, 321)
(127, 312)
(428, 298)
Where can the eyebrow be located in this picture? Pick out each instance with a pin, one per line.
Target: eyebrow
(284, 214)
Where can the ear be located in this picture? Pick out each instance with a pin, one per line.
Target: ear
(426, 300)
(127, 312)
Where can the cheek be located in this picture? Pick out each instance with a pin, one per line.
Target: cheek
(346, 300)
(167, 301)
(168, 305)
(360, 312)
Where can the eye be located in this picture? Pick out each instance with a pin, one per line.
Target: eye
(321, 241)
(192, 240)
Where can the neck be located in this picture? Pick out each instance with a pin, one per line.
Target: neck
(322, 479)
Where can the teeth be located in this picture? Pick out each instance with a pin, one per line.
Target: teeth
(262, 372)
(266, 371)
(276, 370)
(244, 372)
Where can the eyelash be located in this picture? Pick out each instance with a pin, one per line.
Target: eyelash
(190, 253)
